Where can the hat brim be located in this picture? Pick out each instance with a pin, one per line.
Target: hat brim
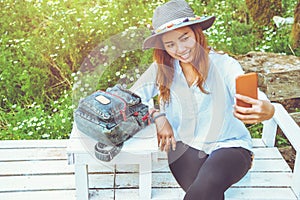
(204, 22)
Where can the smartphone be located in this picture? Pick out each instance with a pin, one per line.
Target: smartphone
(246, 84)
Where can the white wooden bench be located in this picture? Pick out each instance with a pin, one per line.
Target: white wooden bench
(141, 149)
(270, 177)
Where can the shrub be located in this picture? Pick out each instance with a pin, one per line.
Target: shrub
(37, 121)
(44, 43)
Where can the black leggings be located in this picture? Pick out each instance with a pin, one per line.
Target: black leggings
(207, 177)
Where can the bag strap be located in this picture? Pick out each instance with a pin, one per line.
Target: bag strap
(106, 152)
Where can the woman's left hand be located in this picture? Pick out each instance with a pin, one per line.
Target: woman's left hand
(261, 110)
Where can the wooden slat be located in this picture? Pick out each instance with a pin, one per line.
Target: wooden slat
(167, 193)
(35, 167)
(52, 182)
(260, 193)
(105, 194)
(101, 194)
(264, 158)
(164, 180)
(260, 152)
(60, 153)
(161, 166)
(19, 144)
(157, 194)
(127, 168)
(101, 169)
(259, 165)
(32, 154)
(276, 166)
(231, 194)
(258, 142)
(267, 153)
(40, 195)
(267, 179)
(43, 182)
(101, 181)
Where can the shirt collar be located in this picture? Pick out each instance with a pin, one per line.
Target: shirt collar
(178, 70)
(177, 67)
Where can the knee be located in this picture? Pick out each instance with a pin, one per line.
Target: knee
(209, 188)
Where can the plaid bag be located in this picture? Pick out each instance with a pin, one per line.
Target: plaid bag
(111, 117)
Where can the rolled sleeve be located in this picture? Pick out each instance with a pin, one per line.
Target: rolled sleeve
(146, 86)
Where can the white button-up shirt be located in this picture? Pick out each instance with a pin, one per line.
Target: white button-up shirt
(203, 121)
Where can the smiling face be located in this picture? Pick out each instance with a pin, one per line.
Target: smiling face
(180, 44)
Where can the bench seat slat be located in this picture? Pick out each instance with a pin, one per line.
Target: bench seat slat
(52, 182)
(269, 165)
(60, 153)
(260, 193)
(158, 194)
(38, 195)
(38, 182)
(258, 142)
(268, 179)
(33, 154)
(36, 167)
(259, 165)
(231, 194)
(14, 168)
(21, 144)
(259, 153)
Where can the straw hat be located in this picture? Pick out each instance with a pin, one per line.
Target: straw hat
(172, 15)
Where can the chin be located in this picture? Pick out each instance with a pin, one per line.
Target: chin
(186, 61)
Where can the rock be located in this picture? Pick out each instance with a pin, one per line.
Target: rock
(296, 117)
(279, 75)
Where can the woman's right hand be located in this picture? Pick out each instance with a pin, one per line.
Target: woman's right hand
(165, 134)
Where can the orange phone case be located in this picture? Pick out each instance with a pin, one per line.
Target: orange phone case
(246, 85)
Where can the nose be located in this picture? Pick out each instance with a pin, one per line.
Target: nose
(180, 48)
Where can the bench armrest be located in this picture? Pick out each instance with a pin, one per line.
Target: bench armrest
(292, 132)
(288, 126)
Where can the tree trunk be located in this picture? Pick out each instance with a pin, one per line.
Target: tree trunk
(296, 27)
(263, 11)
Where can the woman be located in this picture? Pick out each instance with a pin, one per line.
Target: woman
(198, 124)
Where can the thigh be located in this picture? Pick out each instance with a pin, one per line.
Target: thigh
(185, 163)
(221, 169)
(227, 165)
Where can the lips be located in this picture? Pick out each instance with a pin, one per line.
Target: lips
(185, 55)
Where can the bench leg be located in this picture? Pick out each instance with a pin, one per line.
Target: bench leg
(145, 178)
(296, 176)
(269, 132)
(82, 182)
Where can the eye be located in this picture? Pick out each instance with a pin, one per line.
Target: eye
(185, 38)
(170, 45)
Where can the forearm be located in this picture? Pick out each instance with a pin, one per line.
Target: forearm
(165, 133)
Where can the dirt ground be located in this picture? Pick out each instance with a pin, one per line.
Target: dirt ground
(289, 154)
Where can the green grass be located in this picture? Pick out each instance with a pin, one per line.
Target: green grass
(44, 43)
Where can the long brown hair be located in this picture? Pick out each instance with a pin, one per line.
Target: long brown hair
(164, 61)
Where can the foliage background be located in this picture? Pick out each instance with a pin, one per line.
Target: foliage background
(43, 44)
